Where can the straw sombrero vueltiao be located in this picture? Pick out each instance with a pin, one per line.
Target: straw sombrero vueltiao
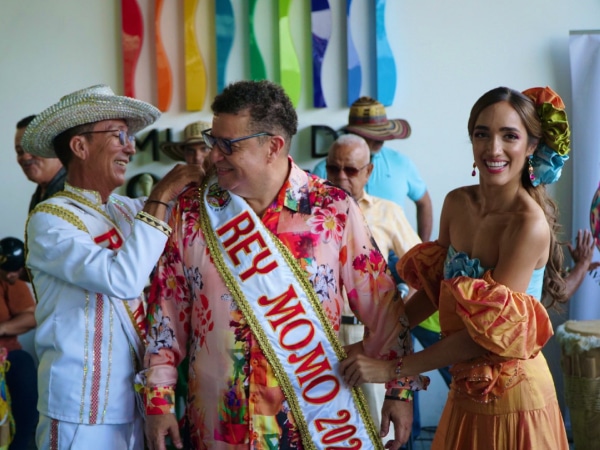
(367, 118)
(89, 105)
(192, 134)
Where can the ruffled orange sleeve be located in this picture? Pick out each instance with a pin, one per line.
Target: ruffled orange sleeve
(422, 267)
(509, 324)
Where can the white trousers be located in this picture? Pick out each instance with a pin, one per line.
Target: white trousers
(54, 434)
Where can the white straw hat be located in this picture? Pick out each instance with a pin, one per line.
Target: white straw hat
(89, 105)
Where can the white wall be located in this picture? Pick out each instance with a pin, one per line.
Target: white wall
(447, 55)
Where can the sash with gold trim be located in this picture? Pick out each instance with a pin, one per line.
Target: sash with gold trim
(86, 216)
(287, 319)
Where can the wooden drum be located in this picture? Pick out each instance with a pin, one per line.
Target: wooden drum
(580, 360)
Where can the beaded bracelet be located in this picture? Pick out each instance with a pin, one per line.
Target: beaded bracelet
(399, 366)
(403, 380)
(157, 201)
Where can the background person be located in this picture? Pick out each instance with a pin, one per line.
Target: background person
(581, 254)
(192, 149)
(90, 253)
(17, 317)
(47, 173)
(394, 176)
(496, 251)
(348, 166)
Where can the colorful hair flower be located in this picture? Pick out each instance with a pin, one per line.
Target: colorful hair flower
(541, 95)
(547, 165)
(551, 153)
(555, 127)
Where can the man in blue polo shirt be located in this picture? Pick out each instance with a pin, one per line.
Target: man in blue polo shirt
(394, 175)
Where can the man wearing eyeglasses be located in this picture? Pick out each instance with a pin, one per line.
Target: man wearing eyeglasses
(249, 287)
(348, 166)
(395, 177)
(90, 253)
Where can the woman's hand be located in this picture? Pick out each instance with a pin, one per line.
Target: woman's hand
(358, 369)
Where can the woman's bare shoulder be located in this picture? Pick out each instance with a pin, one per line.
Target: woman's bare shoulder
(458, 204)
(462, 193)
(528, 217)
(527, 233)
(529, 225)
(461, 197)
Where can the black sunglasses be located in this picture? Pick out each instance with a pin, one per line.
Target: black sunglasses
(224, 145)
(349, 171)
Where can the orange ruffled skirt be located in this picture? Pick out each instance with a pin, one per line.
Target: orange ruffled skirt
(525, 417)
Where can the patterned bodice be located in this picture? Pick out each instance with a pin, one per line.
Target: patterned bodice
(460, 264)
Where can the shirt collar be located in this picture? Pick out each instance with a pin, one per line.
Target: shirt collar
(92, 196)
(294, 192)
(366, 198)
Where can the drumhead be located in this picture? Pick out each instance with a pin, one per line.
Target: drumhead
(583, 327)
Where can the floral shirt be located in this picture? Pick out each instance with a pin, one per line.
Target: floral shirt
(234, 400)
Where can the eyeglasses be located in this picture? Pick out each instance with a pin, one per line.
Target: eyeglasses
(124, 138)
(349, 171)
(224, 145)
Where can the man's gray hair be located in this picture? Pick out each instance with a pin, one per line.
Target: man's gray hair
(353, 140)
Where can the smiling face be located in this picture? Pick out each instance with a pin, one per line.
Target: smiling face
(501, 144)
(246, 170)
(99, 159)
(37, 169)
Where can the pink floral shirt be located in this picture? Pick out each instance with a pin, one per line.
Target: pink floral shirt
(234, 400)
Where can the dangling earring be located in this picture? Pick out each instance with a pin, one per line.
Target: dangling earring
(531, 174)
(474, 172)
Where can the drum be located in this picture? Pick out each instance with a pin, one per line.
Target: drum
(580, 360)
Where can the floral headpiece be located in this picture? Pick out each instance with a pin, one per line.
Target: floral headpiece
(550, 155)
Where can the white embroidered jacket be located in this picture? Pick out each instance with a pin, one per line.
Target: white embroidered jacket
(89, 263)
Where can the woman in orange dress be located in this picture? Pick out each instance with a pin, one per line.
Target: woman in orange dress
(496, 252)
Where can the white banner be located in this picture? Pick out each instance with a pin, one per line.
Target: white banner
(585, 145)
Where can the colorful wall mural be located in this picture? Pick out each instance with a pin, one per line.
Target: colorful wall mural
(198, 73)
